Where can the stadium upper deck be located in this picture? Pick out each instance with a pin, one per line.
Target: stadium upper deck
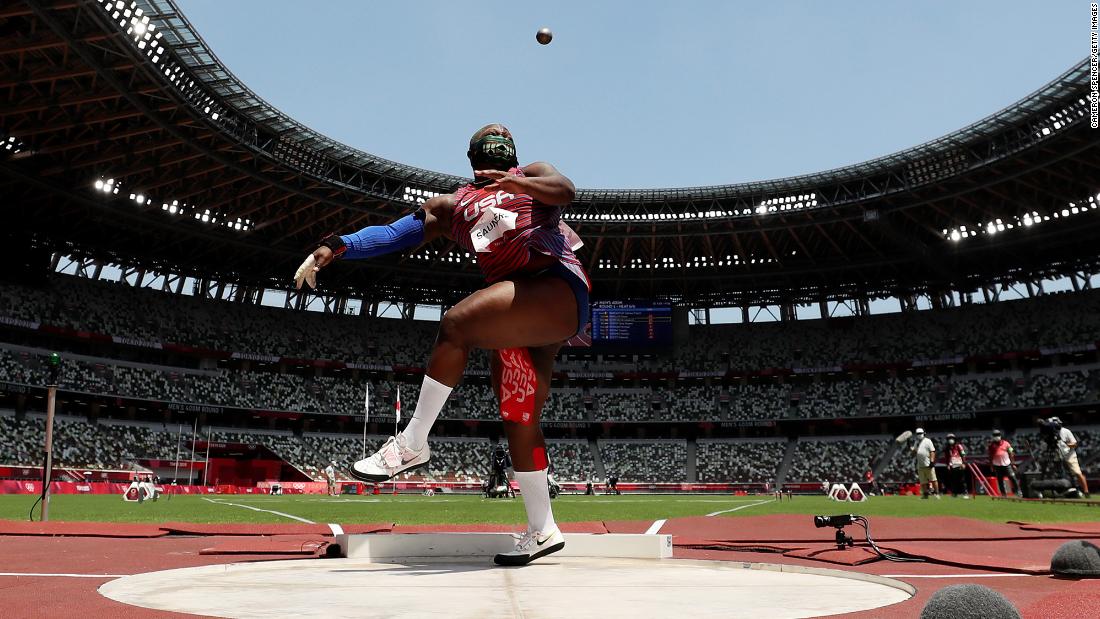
(125, 139)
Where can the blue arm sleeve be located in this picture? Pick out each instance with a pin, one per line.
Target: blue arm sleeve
(378, 240)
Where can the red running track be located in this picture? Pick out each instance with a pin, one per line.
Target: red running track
(1012, 557)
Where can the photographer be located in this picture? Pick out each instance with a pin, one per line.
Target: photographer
(1002, 458)
(1067, 449)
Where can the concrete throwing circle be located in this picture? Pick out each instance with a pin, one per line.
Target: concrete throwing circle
(568, 587)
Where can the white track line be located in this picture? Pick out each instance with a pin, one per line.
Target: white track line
(726, 511)
(656, 526)
(257, 509)
(37, 575)
(960, 575)
(336, 529)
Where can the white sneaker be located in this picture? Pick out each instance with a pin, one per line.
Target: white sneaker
(393, 458)
(530, 546)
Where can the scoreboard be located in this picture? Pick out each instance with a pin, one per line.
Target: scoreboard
(631, 324)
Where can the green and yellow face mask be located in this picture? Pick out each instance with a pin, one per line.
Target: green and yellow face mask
(493, 152)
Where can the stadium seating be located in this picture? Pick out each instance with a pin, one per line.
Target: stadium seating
(153, 316)
(978, 394)
(658, 460)
(688, 403)
(624, 405)
(834, 399)
(79, 444)
(1056, 388)
(571, 459)
(759, 401)
(842, 459)
(727, 461)
(340, 394)
(116, 444)
(144, 318)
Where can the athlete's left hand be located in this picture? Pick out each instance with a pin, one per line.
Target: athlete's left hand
(502, 180)
(307, 272)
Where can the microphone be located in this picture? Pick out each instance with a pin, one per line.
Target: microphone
(834, 521)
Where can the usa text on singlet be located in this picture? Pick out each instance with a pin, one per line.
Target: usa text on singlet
(502, 229)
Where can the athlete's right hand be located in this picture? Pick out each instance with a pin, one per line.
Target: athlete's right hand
(313, 263)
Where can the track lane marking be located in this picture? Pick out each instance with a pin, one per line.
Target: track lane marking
(257, 509)
(726, 511)
(656, 526)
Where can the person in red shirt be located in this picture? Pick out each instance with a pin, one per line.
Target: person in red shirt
(956, 468)
(1002, 457)
(869, 478)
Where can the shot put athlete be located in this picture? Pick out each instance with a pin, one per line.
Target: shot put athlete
(535, 298)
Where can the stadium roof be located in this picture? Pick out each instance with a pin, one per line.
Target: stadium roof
(125, 138)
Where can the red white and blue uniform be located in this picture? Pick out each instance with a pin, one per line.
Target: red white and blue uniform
(503, 229)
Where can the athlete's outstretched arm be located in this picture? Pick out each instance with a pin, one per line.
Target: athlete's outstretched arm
(432, 220)
(541, 181)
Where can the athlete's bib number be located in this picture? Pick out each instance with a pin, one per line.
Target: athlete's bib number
(490, 227)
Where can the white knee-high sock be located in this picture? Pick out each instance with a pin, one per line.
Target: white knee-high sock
(536, 500)
(433, 395)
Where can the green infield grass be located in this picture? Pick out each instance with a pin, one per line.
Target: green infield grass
(464, 509)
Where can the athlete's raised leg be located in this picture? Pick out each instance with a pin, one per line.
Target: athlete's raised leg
(510, 314)
(529, 313)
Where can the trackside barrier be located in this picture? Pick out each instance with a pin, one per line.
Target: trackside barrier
(27, 486)
(990, 488)
(10, 486)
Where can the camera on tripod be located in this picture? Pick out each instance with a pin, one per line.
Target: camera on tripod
(1048, 431)
(498, 485)
(1047, 476)
(843, 540)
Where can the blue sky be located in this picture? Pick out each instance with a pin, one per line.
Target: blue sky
(639, 93)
